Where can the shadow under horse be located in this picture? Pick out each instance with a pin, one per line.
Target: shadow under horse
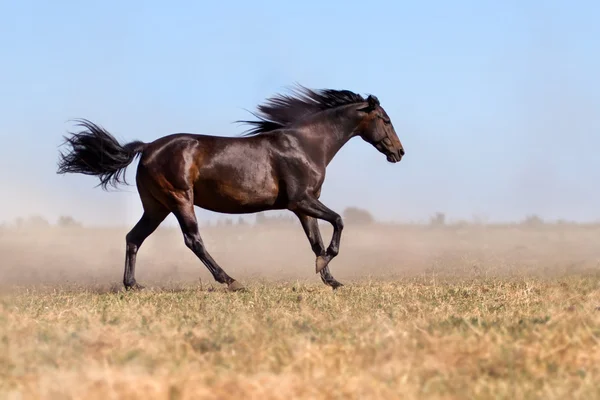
(278, 164)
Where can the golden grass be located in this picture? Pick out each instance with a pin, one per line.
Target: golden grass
(477, 324)
(525, 338)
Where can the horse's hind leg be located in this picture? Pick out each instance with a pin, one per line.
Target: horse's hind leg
(311, 229)
(189, 227)
(154, 214)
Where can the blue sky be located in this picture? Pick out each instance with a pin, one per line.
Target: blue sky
(496, 103)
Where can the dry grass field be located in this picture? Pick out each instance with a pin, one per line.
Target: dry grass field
(448, 313)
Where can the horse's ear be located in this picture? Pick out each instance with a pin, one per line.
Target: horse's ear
(372, 102)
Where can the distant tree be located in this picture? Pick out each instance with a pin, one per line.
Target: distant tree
(241, 221)
(533, 221)
(37, 221)
(283, 219)
(66, 221)
(263, 219)
(357, 216)
(439, 219)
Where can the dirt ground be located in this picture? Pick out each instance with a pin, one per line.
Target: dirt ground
(96, 256)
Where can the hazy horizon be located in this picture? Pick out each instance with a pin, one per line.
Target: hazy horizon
(496, 104)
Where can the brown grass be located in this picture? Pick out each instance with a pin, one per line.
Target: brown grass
(426, 313)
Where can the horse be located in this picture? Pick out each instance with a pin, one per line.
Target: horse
(277, 164)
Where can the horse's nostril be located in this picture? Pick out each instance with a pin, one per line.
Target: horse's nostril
(401, 152)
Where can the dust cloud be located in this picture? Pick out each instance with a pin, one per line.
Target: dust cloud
(90, 257)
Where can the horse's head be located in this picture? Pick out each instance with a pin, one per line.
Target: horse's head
(376, 128)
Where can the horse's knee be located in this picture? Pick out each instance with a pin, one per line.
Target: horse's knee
(132, 244)
(132, 240)
(338, 223)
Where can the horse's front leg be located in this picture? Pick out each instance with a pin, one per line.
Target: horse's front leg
(312, 207)
(311, 229)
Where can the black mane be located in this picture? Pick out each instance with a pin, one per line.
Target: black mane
(282, 110)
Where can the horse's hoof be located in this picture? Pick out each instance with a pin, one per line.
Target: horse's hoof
(135, 287)
(235, 286)
(321, 263)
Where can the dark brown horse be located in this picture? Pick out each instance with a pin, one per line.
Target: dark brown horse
(279, 164)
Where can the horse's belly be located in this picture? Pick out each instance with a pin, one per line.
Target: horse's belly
(234, 197)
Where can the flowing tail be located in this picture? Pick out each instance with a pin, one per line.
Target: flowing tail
(96, 152)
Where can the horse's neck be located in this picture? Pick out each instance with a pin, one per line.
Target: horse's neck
(326, 136)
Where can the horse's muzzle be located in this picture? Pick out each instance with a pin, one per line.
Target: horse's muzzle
(392, 155)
